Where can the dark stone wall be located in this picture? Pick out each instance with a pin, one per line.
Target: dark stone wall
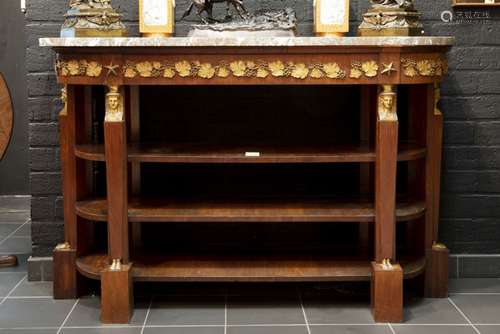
(471, 105)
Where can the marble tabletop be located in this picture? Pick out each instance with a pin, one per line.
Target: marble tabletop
(246, 41)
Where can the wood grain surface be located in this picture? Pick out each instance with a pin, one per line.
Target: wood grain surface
(6, 117)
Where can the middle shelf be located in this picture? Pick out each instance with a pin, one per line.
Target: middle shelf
(263, 210)
(211, 153)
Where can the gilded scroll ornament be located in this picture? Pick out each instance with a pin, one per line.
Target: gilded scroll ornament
(387, 104)
(114, 105)
(424, 67)
(72, 68)
(239, 68)
(368, 68)
(64, 246)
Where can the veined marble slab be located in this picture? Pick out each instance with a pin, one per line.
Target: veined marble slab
(245, 41)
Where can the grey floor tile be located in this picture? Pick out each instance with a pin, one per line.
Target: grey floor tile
(8, 281)
(187, 310)
(33, 289)
(180, 289)
(331, 311)
(22, 264)
(268, 330)
(40, 312)
(488, 329)
(21, 245)
(14, 217)
(184, 330)
(248, 310)
(432, 311)
(102, 330)
(474, 285)
(480, 309)
(28, 331)
(88, 312)
(351, 329)
(7, 229)
(24, 231)
(409, 329)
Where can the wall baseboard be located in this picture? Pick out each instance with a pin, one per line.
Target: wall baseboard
(460, 266)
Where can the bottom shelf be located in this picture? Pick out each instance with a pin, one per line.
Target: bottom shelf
(244, 268)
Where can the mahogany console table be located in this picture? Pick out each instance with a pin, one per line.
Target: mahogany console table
(383, 69)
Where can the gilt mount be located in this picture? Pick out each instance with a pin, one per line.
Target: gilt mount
(92, 18)
(391, 18)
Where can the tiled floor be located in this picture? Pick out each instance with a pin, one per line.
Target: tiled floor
(27, 307)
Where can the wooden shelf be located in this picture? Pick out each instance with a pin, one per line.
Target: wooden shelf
(202, 153)
(266, 210)
(223, 268)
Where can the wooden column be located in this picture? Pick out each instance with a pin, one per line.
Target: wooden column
(387, 278)
(116, 281)
(436, 274)
(75, 126)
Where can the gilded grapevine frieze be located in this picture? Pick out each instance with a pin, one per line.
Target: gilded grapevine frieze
(82, 67)
(237, 68)
(424, 67)
(367, 68)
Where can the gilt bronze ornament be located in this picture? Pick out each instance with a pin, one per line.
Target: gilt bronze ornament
(92, 18)
(391, 18)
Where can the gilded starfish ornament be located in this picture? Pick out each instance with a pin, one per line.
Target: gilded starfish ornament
(388, 68)
(112, 68)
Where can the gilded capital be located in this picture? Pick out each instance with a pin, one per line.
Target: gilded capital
(114, 105)
(387, 104)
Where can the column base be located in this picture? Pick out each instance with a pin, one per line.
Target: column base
(117, 297)
(387, 293)
(436, 272)
(65, 274)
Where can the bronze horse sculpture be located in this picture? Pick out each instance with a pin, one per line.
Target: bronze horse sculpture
(207, 6)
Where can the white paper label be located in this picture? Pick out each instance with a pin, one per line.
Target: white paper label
(252, 154)
(155, 12)
(332, 12)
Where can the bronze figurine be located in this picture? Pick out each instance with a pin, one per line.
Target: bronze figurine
(207, 6)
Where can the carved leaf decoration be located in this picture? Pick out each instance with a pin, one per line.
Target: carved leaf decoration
(183, 68)
(300, 71)
(168, 73)
(262, 73)
(356, 73)
(145, 69)
(73, 67)
(333, 70)
(316, 73)
(410, 71)
(223, 72)
(277, 68)
(130, 72)
(206, 71)
(238, 67)
(370, 68)
(425, 68)
(94, 69)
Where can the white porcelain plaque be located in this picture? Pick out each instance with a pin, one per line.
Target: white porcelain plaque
(155, 12)
(332, 12)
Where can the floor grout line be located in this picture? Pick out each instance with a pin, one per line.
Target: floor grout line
(304, 313)
(12, 290)
(225, 313)
(392, 329)
(67, 316)
(13, 232)
(463, 315)
(147, 314)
